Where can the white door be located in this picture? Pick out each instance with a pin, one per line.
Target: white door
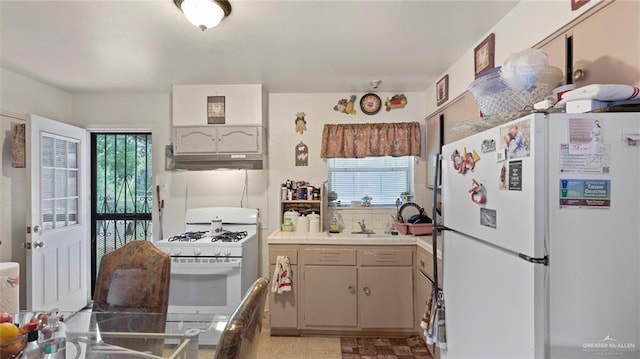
(57, 240)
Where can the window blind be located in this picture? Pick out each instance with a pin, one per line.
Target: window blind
(382, 178)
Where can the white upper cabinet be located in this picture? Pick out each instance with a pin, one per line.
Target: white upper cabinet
(218, 139)
(235, 139)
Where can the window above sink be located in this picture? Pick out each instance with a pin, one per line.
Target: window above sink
(383, 179)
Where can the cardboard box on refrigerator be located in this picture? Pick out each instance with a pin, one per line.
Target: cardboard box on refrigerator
(580, 106)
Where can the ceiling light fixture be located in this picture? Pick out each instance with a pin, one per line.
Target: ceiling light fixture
(204, 14)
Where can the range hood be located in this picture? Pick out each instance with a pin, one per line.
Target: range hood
(212, 161)
(199, 148)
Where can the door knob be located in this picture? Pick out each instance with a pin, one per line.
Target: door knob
(366, 290)
(36, 229)
(38, 244)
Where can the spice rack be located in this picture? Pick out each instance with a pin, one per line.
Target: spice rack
(305, 206)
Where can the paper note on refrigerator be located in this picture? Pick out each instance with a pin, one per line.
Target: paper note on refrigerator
(584, 163)
(585, 193)
(586, 137)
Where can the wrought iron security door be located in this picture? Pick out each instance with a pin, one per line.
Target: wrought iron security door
(121, 192)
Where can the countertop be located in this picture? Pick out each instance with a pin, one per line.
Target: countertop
(322, 238)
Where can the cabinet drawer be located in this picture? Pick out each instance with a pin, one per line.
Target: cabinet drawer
(385, 257)
(329, 256)
(289, 252)
(425, 264)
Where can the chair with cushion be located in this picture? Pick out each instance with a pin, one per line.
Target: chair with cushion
(132, 279)
(241, 335)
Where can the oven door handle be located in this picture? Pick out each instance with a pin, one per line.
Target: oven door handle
(209, 268)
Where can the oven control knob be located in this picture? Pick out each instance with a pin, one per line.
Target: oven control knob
(216, 252)
(177, 251)
(227, 252)
(197, 252)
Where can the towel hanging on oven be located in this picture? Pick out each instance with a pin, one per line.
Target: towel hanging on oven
(282, 276)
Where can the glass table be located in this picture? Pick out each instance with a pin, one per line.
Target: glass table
(134, 335)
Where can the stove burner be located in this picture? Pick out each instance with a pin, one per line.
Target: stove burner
(228, 236)
(187, 237)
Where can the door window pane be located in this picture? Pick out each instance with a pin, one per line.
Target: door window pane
(61, 183)
(61, 213)
(47, 214)
(72, 182)
(72, 160)
(47, 151)
(73, 211)
(47, 183)
(61, 153)
(59, 174)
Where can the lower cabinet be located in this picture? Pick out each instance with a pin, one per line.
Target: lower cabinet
(330, 298)
(283, 308)
(345, 289)
(357, 288)
(385, 297)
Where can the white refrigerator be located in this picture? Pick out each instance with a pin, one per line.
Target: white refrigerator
(542, 254)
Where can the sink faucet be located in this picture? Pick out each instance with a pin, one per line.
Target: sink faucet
(363, 227)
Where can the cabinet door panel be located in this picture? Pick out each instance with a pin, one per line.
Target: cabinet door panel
(283, 308)
(194, 139)
(423, 291)
(607, 45)
(389, 302)
(238, 139)
(330, 296)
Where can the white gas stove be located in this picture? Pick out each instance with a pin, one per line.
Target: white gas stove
(210, 271)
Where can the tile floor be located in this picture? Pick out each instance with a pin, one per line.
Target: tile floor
(296, 347)
(333, 348)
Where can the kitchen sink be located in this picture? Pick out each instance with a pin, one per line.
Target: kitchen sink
(361, 235)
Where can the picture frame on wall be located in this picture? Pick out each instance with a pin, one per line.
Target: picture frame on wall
(576, 4)
(442, 90)
(169, 160)
(484, 55)
(215, 110)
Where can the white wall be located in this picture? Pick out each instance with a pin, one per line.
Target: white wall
(528, 23)
(243, 104)
(20, 95)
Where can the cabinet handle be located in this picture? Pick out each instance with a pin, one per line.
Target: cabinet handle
(422, 263)
(579, 74)
(351, 289)
(366, 290)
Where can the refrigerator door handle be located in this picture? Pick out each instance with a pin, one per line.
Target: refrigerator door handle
(544, 260)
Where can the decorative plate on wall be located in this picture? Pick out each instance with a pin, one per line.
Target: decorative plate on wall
(370, 104)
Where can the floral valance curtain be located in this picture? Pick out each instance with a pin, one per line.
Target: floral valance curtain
(371, 140)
